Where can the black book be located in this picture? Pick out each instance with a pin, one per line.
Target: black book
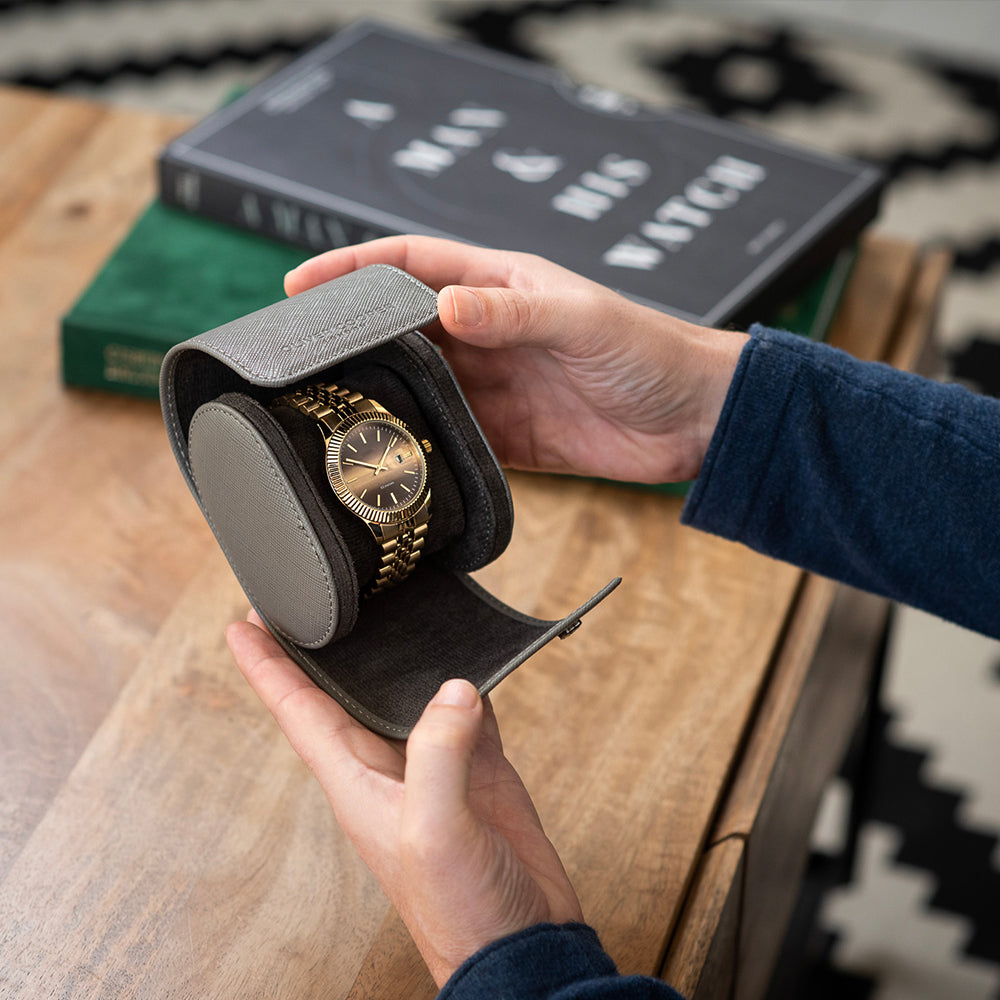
(377, 132)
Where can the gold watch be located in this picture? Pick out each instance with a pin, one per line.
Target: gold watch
(377, 469)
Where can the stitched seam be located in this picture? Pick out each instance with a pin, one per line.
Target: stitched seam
(306, 663)
(493, 601)
(398, 273)
(388, 334)
(481, 494)
(262, 451)
(355, 707)
(175, 427)
(290, 369)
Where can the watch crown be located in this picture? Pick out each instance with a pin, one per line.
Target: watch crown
(428, 447)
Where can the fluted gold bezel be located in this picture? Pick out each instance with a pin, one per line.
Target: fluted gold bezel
(365, 511)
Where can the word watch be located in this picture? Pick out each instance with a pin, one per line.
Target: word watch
(376, 468)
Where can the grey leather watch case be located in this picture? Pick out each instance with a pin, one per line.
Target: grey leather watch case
(300, 556)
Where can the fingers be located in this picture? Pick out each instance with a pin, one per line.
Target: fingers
(435, 262)
(490, 298)
(264, 663)
(439, 757)
(314, 723)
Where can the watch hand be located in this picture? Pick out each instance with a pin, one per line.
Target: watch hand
(367, 465)
(381, 467)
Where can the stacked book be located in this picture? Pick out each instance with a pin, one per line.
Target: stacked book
(377, 132)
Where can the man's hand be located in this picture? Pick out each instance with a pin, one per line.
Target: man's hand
(444, 823)
(563, 374)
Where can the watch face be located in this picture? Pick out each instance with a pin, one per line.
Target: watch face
(377, 467)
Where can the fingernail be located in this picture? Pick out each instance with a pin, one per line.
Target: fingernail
(467, 305)
(457, 692)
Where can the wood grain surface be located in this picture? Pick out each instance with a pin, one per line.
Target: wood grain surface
(702, 960)
(96, 535)
(189, 848)
(157, 836)
(818, 685)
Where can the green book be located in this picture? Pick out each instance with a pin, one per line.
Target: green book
(172, 277)
(810, 312)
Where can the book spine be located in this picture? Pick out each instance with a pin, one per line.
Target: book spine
(94, 358)
(253, 208)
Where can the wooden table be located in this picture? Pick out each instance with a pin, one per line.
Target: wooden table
(157, 835)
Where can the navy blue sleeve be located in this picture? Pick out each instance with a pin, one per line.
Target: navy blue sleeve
(549, 962)
(854, 470)
(878, 478)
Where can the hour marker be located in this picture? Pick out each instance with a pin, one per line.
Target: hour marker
(361, 434)
(378, 500)
(378, 433)
(394, 500)
(405, 487)
(351, 446)
(364, 493)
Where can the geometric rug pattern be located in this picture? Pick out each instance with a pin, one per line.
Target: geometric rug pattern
(917, 913)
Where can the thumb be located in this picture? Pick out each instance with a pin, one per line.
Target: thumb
(439, 756)
(509, 317)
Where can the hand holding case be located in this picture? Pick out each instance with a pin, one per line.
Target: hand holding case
(259, 478)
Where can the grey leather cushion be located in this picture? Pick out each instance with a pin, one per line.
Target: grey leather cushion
(271, 522)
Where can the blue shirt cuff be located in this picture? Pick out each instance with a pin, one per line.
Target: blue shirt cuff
(549, 962)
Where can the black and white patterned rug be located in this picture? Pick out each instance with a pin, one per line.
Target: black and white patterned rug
(919, 915)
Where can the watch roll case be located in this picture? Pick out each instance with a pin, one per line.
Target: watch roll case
(303, 560)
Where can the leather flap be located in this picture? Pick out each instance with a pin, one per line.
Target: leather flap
(296, 337)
